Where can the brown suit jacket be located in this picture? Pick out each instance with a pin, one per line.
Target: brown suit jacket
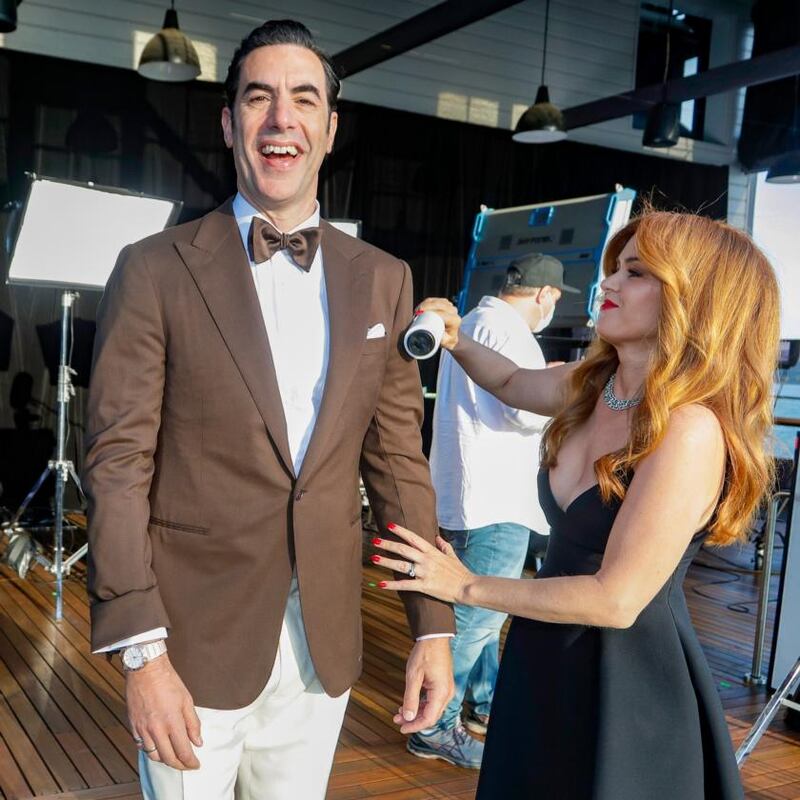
(196, 517)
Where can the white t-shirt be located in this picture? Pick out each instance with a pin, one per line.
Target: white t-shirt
(485, 454)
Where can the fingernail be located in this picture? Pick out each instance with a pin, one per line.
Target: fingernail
(391, 526)
(382, 584)
(418, 312)
(372, 584)
(377, 541)
(408, 715)
(374, 559)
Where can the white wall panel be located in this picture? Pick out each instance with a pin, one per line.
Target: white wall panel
(739, 198)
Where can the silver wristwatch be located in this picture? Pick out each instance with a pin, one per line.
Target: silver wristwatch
(135, 656)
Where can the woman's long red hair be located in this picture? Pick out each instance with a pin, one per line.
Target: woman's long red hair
(717, 345)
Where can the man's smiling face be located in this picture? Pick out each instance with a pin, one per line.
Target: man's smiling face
(280, 127)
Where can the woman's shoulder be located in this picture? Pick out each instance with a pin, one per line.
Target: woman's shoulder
(693, 431)
(695, 421)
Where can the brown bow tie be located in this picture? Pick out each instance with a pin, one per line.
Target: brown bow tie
(265, 240)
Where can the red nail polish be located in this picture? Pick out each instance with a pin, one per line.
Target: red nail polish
(418, 312)
(374, 559)
(391, 526)
(377, 541)
(382, 584)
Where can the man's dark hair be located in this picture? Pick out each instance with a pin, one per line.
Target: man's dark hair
(280, 31)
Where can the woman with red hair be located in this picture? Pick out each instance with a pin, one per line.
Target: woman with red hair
(657, 445)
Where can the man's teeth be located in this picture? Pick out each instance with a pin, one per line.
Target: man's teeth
(269, 149)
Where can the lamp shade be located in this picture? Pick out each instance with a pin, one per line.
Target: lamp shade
(170, 54)
(663, 127)
(786, 169)
(542, 123)
(8, 15)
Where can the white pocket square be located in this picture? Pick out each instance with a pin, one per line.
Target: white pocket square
(376, 331)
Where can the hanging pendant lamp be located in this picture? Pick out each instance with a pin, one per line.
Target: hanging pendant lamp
(170, 54)
(542, 122)
(8, 15)
(663, 128)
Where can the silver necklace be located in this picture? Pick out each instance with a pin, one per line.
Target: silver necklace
(613, 402)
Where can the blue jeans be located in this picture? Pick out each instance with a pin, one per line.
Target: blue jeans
(497, 550)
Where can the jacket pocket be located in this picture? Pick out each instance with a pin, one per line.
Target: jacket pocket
(375, 347)
(177, 526)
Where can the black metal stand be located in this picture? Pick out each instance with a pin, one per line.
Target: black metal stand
(778, 700)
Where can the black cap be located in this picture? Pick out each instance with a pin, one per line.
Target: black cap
(537, 269)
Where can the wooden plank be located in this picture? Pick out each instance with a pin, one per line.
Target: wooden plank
(12, 782)
(30, 762)
(98, 727)
(42, 696)
(127, 791)
(36, 729)
(74, 646)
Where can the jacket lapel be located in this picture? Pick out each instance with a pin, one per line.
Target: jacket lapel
(348, 283)
(220, 268)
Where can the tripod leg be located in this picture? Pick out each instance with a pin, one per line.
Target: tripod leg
(765, 717)
(31, 494)
(74, 476)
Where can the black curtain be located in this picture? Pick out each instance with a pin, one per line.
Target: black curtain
(415, 181)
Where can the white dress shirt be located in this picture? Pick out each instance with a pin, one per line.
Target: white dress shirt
(294, 303)
(485, 454)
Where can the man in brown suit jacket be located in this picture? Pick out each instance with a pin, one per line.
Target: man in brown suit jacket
(242, 378)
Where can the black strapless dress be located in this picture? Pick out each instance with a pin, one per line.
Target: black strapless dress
(584, 713)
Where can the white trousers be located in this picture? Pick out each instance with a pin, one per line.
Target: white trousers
(280, 747)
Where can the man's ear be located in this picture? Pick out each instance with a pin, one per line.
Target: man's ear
(226, 120)
(333, 124)
(540, 294)
(545, 292)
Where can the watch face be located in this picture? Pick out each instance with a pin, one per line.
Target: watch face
(133, 658)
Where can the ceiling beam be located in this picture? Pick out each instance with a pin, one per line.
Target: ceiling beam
(761, 69)
(415, 31)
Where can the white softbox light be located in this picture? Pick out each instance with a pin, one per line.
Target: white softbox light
(71, 233)
(775, 216)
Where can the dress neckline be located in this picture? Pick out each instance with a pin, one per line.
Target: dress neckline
(574, 500)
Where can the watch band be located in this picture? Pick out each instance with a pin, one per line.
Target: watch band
(135, 656)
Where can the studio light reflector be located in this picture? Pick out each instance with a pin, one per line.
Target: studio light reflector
(71, 233)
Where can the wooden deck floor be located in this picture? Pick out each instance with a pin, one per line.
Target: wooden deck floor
(63, 723)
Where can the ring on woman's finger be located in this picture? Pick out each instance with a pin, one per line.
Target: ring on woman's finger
(138, 740)
(151, 750)
(412, 572)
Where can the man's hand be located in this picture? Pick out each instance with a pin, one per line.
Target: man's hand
(429, 669)
(162, 713)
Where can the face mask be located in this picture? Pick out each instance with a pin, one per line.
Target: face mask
(545, 321)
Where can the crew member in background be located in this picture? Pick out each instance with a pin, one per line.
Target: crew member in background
(484, 461)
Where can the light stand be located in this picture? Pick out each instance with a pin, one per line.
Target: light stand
(63, 470)
(69, 237)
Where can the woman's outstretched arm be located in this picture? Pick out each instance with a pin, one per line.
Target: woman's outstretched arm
(538, 390)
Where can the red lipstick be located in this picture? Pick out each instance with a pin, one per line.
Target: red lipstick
(608, 304)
